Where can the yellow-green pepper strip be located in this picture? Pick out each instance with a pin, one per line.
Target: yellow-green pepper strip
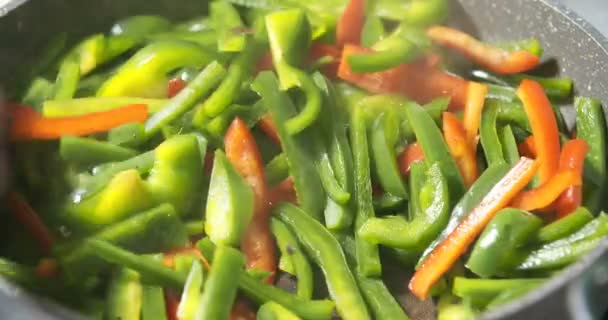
(488, 136)
(373, 31)
(289, 50)
(290, 248)
(302, 168)
(555, 88)
(325, 250)
(227, 23)
(274, 311)
(435, 150)
(368, 257)
(67, 79)
(277, 169)
(140, 26)
(191, 294)
(206, 38)
(124, 298)
(145, 73)
(37, 93)
(99, 49)
(186, 98)
(497, 249)
(90, 151)
(482, 291)
(82, 106)
(427, 221)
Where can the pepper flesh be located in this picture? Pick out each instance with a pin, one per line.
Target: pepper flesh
(461, 149)
(572, 157)
(476, 95)
(350, 23)
(447, 252)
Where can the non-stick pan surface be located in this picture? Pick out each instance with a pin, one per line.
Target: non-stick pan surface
(580, 292)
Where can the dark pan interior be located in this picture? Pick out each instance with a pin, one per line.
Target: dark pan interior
(578, 50)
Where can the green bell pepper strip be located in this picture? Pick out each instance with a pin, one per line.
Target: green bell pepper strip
(373, 31)
(591, 126)
(216, 127)
(124, 296)
(482, 291)
(227, 22)
(415, 12)
(98, 49)
(555, 257)
(153, 303)
(325, 250)
(104, 173)
(82, 106)
(555, 88)
(207, 38)
(501, 93)
(229, 203)
(186, 98)
(531, 45)
(395, 52)
(151, 269)
(262, 293)
(37, 93)
(387, 203)
(488, 136)
(145, 73)
(225, 94)
(368, 257)
(274, 311)
(277, 169)
(140, 26)
(470, 200)
(510, 295)
(596, 228)
(68, 76)
(510, 113)
(383, 138)
(91, 151)
(380, 300)
(191, 294)
(130, 135)
(195, 24)
(564, 226)
(288, 52)
(329, 182)
(435, 150)
(426, 223)
(509, 144)
(496, 249)
(194, 228)
(337, 216)
(307, 183)
(450, 307)
(158, 229)
(222, 284)
(288, 245)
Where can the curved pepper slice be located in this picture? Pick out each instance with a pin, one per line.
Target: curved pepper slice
(461, 149)
(28, 125)
(476, 95)
(145, 73)
(548, 192)
(544, 127)
(427, 221)
(572, 157)
(441, 259)
(350, 23)
(495, 59)
(243, 153)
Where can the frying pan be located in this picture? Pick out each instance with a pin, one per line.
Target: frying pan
(580, 292)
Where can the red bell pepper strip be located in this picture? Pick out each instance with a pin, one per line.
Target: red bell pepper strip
(283, 192)
(487, 56)
(264, 63)
(412, 153)
(544, 127)
(548, 192)
(572, 157)
(460, 149)
(30, 220)
(418, 80)
(320, 50)
(527, 148)
(47, 268)
(476, 96)
(268, 127)
(174, 86)
(171, 304)
(441, 259)
(258, 242)
(350, 24)
(29, 125)
(242, 310)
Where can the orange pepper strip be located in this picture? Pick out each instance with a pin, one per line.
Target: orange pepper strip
(350, 24)
(544, 195)
(492, 58)
(268, 127)
(30, 220)
(283, 192)
(544, 127)
(527, 147)
(258, 242)
(441, 259)
(174, 86)
(460, 149)
(412, 153)
(420, 80)
(29, 127)
(476, 96)
(572, 157)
